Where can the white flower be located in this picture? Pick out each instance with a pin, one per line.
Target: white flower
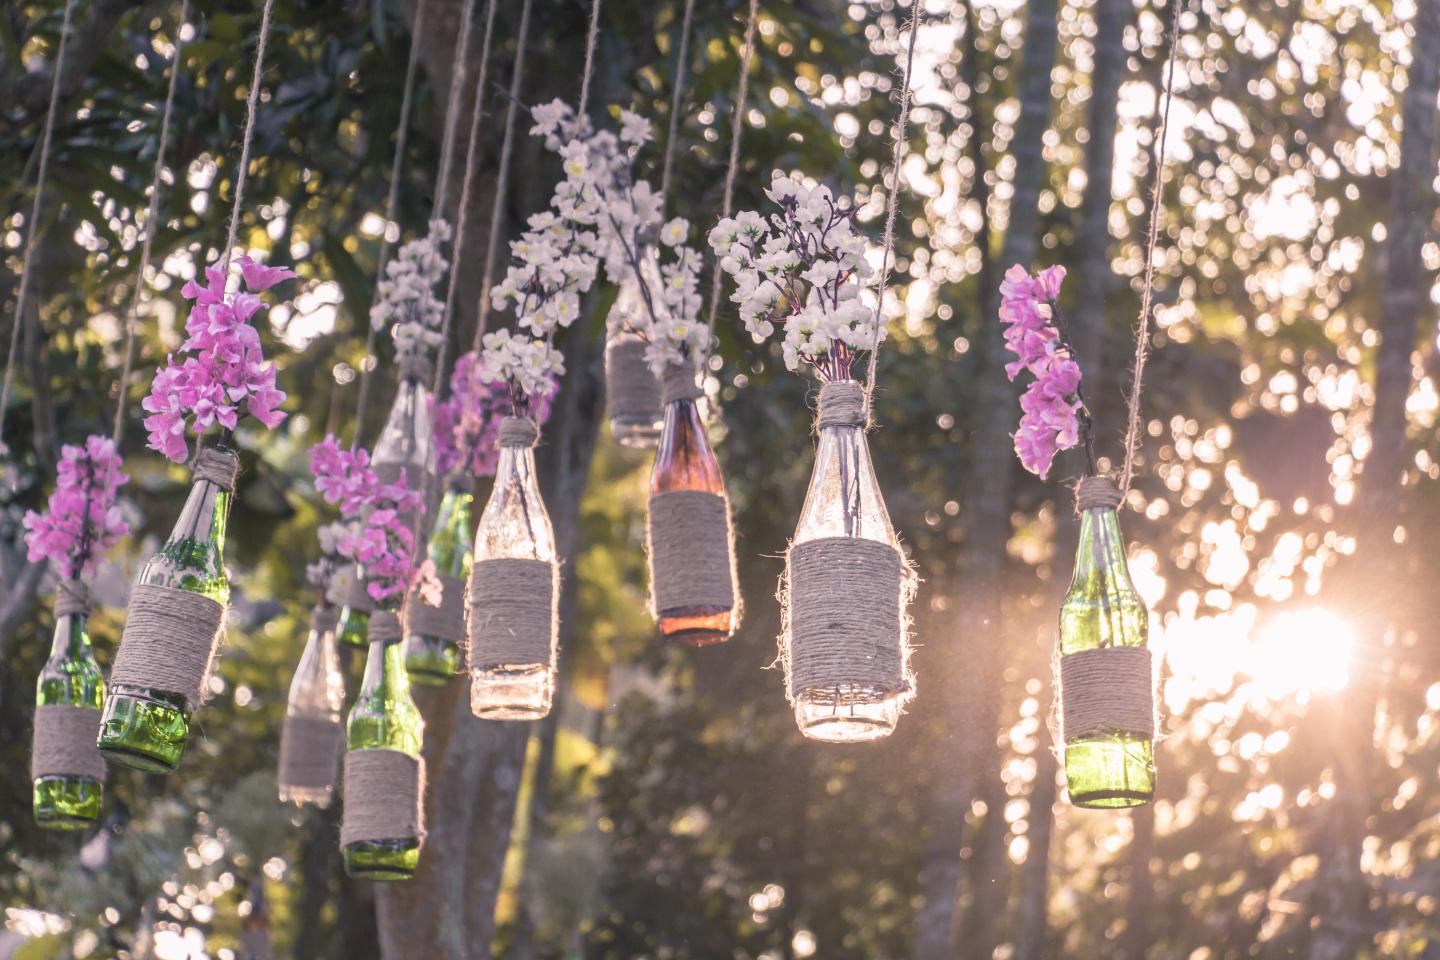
(533, 366)
(634, 129)
(674, 233)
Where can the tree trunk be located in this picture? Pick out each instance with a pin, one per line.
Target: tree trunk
(1138, 904)
(974, 715)
(1030, 913)
(1375, 587)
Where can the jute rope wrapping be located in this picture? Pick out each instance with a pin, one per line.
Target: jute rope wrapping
(1107, 690)
(692, 557)
(518, 432)
(679, 383)
(72, 597)
(631, 387)
(384, 796)
(64, 743)
(446, 621)
(309, 751)
(1097, 493)
(842, 404)
(384, 626)
(172, 636)
(845, 604)
(169, 643)
(325, 619)
(513, 617)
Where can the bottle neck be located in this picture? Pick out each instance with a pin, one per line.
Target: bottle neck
(406, 438)
(385, 677)
(515, 524)
(71, 640)
(193, 558)
(684, 459)
(844, 498)
(1100, 555)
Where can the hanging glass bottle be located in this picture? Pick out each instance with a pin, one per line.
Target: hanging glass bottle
(691, 567)
(1107, 699)
(406, 444)
(846, 650)
(434, 634)
(380, 835)
(68, 774)
(311, 736)
(632, 391)
(513, 589)
(176, 617)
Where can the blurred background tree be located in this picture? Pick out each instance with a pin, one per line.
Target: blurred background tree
(668, 808)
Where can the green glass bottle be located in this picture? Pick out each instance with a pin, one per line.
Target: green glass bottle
(432, 660)
(72, 678)
(355, 615)
(384, 717)
(146, 728)
(1103, 609)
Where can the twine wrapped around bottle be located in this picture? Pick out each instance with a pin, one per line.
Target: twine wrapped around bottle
(632, 391)
(415, 367)
(447, 621)
(63, 744)
(691, 548)
(845, 634)
(357, 597)
(513, 617)
(72, 598)
(172, 636)
(384, 796)
(1097, 493)
(309, 751)
(1107, 690)
(842, 404)
(680, 383)
(519, 432)
(384, 627)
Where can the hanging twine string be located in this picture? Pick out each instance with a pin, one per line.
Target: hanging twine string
(151, 219)
(681, 58)
(34, 223)
(502, 179)
(737, 128)
(891, 202)
(457, 84)
(591, 39)
(243, 173)
(392, 207)
(1147, 296)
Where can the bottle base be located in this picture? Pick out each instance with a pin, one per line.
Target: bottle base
(382, 860)
(67, 802)
(847, 714)
(432, 662)
(512, 693)
(697, 626)
(1117, 800)
(318, 797)
(1110, 772)
(141, 731)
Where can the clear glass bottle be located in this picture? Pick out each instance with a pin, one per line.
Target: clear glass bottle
(844, 500)
(514, 525)
(317, 692)
(431, 660)
(1103, 609)
(70, 677)
(407, 441)
(146, 728)
(685, 461)
(624, 358)
(384, 717)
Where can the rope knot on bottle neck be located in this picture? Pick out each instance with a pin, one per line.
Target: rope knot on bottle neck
(680, 383)
(219, 467)
(518, 432)
(842, 404)
(384, 626)
(72, 597)
(1097, 493)
(415, 367)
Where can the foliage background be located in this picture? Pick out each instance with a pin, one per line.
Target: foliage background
(670, 809)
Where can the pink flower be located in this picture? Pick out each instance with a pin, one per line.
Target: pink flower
(1050, 407)
(467, 423)
(226, 370)
(382, 545)
(81, 523)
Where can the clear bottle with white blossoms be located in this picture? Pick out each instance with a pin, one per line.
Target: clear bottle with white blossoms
(847, 586)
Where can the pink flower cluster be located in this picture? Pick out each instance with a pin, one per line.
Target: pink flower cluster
(383, 546)
(1050, 407)
(226, 369)
(467, 424)
(82, 521)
